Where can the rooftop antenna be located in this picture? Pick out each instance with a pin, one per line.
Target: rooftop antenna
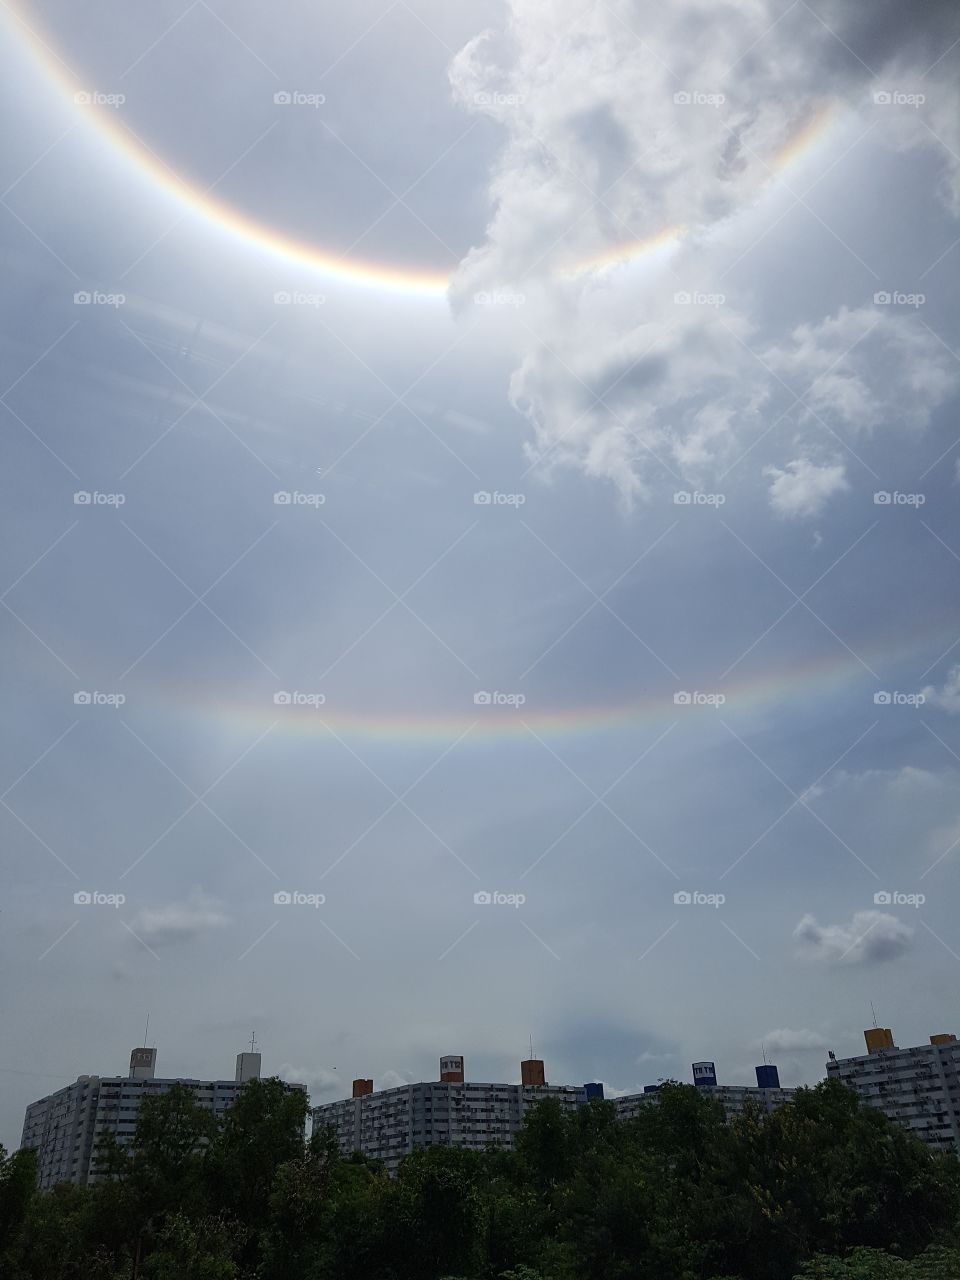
(531, 1046)
(146, 1032)
(763, 1053)
(874, 1012)
(253, 1042)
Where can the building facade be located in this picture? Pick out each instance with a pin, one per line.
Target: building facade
(65, 1128)
(59, 1128)
(734, 1098)
(387, 1125)
(917, 1088)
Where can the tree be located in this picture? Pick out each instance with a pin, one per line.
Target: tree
(872, 1264)
(262, 1132)
(193, 1250)
(173, 1131)
(18, 1180)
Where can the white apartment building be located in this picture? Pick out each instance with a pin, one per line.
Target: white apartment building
(65, 1127)
(388, 1125)
(917, 1088)
(59, 1128)
(735, 1098)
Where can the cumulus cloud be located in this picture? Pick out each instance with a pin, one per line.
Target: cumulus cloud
(613, 134)
(178, 922)
(685, 393)
(395, 1079)
(947, 698)
(863, 368)
(323, 1083)
(610, 139)
(787, 1040)
(802, 488)
(868, 938)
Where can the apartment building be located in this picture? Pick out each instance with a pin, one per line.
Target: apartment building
(65, 1127)
(388, 1125)
(917, 1088)
(766, 1095)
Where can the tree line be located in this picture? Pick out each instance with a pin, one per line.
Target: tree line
(821, 1189)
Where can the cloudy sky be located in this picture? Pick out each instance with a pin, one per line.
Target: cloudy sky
(503, 449)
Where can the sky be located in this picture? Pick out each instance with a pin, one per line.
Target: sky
(481, 558)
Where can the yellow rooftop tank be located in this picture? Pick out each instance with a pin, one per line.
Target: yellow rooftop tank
(878, 1038)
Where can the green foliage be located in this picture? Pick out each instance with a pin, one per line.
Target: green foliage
(820, 1190)
(192, 1250)
(870, 1264)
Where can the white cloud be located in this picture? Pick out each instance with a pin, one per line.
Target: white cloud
(613, 135)
(688, 391)
(394, 1079)
(947, 698)
(865, 367)
(322, 1083)
(802, 488)
(787, 1040)
(868, 938)
(178, 921)
(597, 153)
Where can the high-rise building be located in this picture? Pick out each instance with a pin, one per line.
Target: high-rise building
(917, 1088)
(65, 1127)
(765, 1097)
(387, 1125)
(60, 1128)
